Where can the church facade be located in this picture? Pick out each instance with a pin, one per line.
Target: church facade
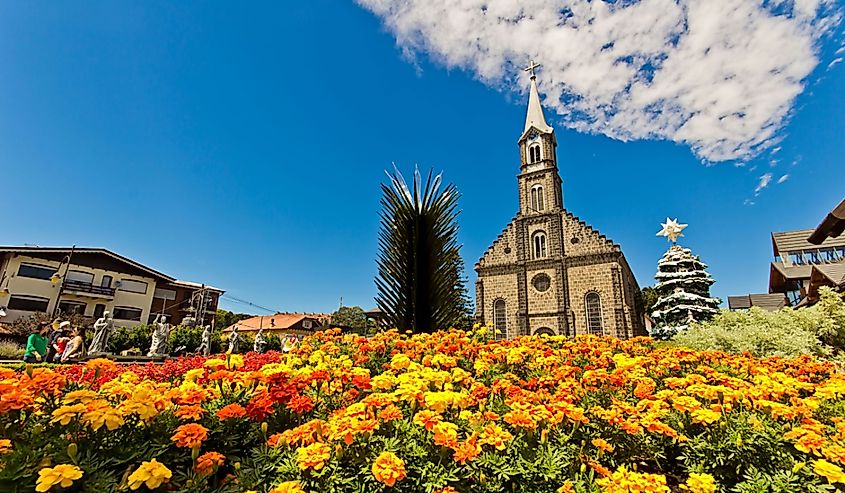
(549, 272)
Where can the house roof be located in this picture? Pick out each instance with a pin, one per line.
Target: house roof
(278, 321)
(79, 254)
(833, 272)
(196, 285)
(768, 302)
(831, 227)
(788, 241)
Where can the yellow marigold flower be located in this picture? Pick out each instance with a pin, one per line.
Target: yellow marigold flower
(234, 361)
(194, 374)
(313, 456)
(602, 445)
(388, 468)
(66, 414)
(288, 487)
(705, 416)
(832, 472)
(214, 363)
(699, 483)
(63, 475)
(400, 362)
(426, 419)
(686, 403)
(190, 435)
(5, 446)
(151, 473)
(624, 481)
(445, 434)
(103, 415)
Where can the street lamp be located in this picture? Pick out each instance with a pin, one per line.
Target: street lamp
(56, 278)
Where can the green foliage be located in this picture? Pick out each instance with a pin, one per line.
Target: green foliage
(225, 318)
(191, 337)
(11, 350)
(647, 298)
(125, 338)
(818, 330)
(420, 270)
(350, 316)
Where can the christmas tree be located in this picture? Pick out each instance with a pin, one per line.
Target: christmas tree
(683, 287)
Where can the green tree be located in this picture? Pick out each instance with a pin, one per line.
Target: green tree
(225, 318)
(648, 298)
(420, 279)
(350, 316)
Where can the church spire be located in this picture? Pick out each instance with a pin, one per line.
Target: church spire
(535, 117)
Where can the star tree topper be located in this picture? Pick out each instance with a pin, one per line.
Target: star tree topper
(671, 230)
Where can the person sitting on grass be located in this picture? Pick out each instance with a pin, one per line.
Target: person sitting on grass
(75, 349)
(36, 344)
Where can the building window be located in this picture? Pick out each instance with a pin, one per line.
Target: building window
(793, 292)
(537, 202)
(500, 319)
(541, 282)
(534, 154)
(28, 303)
(131, 286)
(544, 331)
(99, 310)
(593, 304)
(72, 307)
(127, 313)
(539, 244)
(796, 258)
(165, 294)
(36, 271)
(80, 276)
(106, 282)
(813, 256)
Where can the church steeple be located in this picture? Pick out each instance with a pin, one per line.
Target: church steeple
(535, 117)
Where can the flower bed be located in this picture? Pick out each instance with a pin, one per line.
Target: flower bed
(449, 412)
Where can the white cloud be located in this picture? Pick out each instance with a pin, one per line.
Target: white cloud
(718, 75)
(765, 179)
(835, 62)
(783, 178)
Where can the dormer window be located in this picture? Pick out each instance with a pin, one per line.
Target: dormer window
(534, 154)
(537, 202)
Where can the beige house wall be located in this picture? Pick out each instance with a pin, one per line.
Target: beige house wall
(19, 285)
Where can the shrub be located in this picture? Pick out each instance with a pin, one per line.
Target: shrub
(818, 330)
(125, 338)
(11, 350)
(191, 338)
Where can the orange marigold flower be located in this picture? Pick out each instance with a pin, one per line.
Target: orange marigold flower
(388, 468)
(208, 462)
(193, 412)
(301, 404)
(495, 436)
(275, 440)
(602, 445)
(231, 411)
(313, 456)
(5, 446)
(520, 419)
(810, 443)
(624, 481)
(390, 413)
(427, 419)
(467, 450)
(190, 435)
(445, 434)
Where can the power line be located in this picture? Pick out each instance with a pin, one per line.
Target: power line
(245, 302)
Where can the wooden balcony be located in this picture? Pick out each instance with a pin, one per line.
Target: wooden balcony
(84, 288)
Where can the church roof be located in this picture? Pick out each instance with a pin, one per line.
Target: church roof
(535, 117)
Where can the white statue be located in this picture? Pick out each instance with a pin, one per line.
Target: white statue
(234, 340)
(205, 342)
(103, 328)
(161, 333)
(260, 342)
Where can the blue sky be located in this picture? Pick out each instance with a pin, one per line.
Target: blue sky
(244, 147)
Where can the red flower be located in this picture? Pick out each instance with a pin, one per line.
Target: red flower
(301, 404)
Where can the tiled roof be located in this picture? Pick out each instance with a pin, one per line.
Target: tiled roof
(787, 241)
(834, 272)
(768, 302)
(832, 226)
(279, 321)
(793, 271)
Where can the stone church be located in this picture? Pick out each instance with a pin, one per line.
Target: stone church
(549, 272)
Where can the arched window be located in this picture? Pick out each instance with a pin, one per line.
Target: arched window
(539, 244)
(544, 331)
(500, 319)
(534, 154)
(537, 202)
(593, 304)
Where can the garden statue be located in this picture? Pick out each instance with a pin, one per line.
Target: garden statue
(161, 333)
(103, 328)
(205, 342)
(260, 342)
(234, 340)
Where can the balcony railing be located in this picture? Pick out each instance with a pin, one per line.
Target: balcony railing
(85, 287)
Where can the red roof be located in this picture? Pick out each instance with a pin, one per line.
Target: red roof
(279, 321)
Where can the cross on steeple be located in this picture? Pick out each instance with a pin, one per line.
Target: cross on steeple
(531, 68)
